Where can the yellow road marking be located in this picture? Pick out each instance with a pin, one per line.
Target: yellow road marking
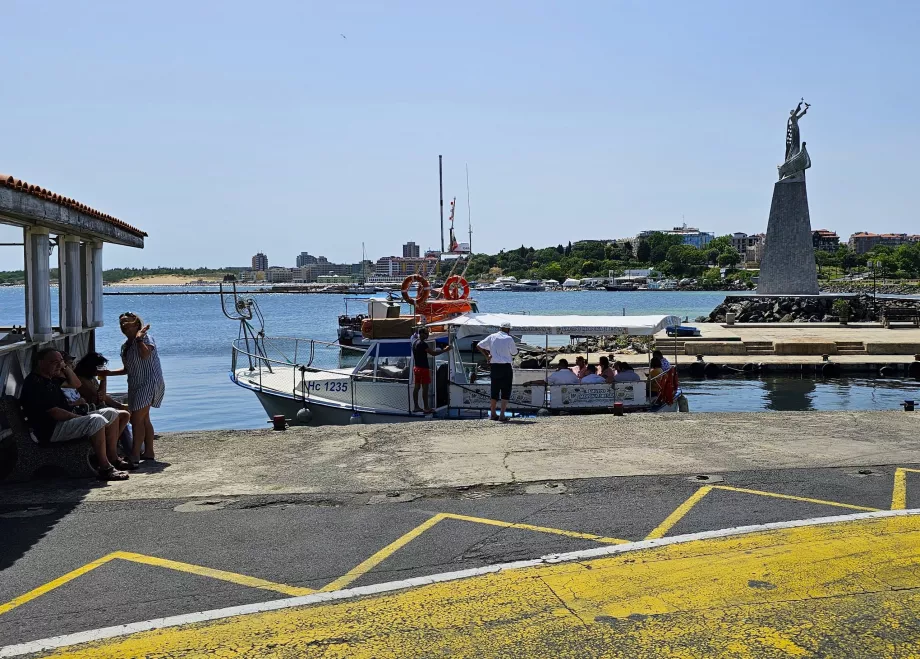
(51, 585)
(540, 529)
(223, 575)
(789, 592)
(370, 563)
(794, 498)
(678, 514)
(899, 492)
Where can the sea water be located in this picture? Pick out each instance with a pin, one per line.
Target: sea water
(194, 337)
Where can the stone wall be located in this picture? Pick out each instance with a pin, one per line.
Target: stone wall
(799, 309)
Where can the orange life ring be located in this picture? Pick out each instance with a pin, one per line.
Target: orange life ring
(456, 288)
(421, 293)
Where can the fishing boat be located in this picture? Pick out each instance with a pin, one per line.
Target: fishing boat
(314, 382)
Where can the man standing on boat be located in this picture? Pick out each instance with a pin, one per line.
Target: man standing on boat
(500, 349)
(421, 371)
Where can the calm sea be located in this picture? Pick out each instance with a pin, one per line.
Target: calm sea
(194, 341)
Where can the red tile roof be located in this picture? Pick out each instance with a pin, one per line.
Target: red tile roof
(36, 191)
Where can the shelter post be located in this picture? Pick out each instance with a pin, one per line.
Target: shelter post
(38, 284)
(91, 265)
(69, 289)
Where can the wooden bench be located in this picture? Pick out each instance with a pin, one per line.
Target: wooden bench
(32, 459)
(900, 316)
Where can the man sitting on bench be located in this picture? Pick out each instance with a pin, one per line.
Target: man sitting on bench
(53, 419)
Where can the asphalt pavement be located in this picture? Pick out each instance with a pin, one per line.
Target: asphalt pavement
(70, 567)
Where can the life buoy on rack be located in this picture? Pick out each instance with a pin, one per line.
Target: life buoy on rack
(421, 293)
(456, 288)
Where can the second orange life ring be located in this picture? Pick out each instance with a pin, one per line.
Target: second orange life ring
(421, 293)
(456, 288)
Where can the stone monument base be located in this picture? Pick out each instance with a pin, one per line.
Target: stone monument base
(788, 265)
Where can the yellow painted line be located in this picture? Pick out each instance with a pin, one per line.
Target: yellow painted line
(223, 575)
(540, 529)
(51, 585)
(899, 491)
(852, 585)
(372, 562)
(794, 498)
(678, 514)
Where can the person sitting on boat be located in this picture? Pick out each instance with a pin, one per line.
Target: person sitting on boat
(499, 349)
(592, 377)
(606, 371)
(581, 367)
(563, 374)
(625, 373)
(421, 370)
(665, 364)
(655, 370)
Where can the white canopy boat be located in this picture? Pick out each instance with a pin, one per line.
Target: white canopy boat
(316, 382)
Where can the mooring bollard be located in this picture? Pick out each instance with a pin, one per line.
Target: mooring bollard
(618, 409)
(279, 422)
(908, 405)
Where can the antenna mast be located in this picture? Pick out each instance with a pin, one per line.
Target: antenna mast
(469, 212)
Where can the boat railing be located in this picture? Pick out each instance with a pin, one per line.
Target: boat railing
(281, 364)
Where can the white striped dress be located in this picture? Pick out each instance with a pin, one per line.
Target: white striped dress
(145, 377)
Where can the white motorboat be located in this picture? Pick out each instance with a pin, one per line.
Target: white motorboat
(314, 382)
(528, 285)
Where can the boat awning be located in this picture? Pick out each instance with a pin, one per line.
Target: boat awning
(562, 325)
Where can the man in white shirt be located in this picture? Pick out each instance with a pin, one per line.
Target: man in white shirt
(564, 375)
(500, 349)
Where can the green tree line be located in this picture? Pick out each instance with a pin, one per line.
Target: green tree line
(597, 258)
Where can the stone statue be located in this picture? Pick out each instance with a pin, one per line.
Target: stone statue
(797, 158)
(792, 129)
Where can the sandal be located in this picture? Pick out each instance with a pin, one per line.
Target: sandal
(112, 474)
(125, 465)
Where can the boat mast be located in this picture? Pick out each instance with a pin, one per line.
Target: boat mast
(469, 213)
(441, 189)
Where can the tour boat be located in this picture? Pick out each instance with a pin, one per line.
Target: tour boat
(307, 381)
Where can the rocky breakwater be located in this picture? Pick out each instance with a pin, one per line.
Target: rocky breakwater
(800, 309)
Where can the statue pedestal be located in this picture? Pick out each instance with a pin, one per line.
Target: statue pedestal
(788, 265)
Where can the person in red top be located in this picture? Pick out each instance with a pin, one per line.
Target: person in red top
(421, 371)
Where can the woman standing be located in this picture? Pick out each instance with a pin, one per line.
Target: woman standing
(145, 381)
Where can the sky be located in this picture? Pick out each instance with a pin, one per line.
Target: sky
(223, 128)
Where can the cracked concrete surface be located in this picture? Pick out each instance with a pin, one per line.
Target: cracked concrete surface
(433, 454)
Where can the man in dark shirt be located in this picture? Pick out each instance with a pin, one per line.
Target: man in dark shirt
(421, 372)
(52, 418)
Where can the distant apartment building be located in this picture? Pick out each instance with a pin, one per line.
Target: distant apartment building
(862, 241)
(690, 235)
(825, 240)
(754, 253)
(304, 258)
(259, 262)
(742, 242)
(411, 250)
(315, 272)
(396, 266)
(278, 275)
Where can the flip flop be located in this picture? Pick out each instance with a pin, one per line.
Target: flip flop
(112, 474)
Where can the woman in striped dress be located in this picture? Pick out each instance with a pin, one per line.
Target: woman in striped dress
(145, 382)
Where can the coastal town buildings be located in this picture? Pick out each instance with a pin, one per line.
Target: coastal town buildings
(304, 258)
(400, 266)
(825, 240)
(259, 262)
(410, 250)
(862, 241)
(742, 242)
(690, 235)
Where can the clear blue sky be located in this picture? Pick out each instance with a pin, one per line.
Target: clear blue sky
(223, 128)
